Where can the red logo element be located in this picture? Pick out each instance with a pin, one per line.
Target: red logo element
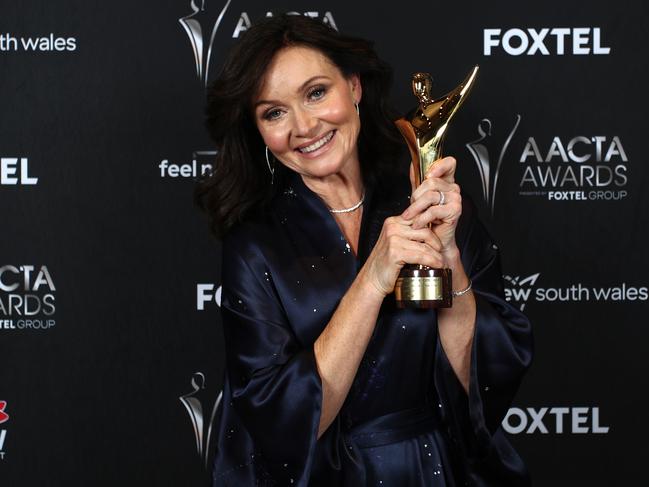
(3, 416)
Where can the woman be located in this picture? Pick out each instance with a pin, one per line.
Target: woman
(327, 383)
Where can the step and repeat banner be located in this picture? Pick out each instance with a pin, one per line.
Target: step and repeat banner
(111, 351)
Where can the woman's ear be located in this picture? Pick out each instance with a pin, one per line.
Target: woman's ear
(356, 88)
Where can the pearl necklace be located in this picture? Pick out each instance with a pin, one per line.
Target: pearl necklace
(351, 208)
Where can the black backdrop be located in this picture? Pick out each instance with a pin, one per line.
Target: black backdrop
(109, 278)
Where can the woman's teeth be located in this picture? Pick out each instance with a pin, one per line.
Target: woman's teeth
(317, 145)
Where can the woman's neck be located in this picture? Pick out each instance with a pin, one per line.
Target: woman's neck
(341, 190)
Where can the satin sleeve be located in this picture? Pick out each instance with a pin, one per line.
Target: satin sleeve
(276, 390)
(500, 355)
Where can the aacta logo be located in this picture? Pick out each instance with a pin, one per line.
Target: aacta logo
(27, 298)
(484, 154)
(4, 417)
(15, 171)
(24, 278)
(206, 18)
(196, 403)
(545, 41)
(201, 35)
(577, 169)
(244, 21)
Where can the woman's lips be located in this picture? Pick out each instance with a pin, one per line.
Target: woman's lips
(321, 142)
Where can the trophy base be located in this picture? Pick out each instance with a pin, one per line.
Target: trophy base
(419, 286)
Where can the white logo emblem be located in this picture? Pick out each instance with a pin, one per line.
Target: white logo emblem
(197, 30)
(194, 406)
(489, 169)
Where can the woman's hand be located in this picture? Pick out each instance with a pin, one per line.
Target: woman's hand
(425, 206)
(399, 244)
(406, 238)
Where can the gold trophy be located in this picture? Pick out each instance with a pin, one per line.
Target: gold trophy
(424, 128)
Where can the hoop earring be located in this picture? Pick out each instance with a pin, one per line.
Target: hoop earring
(357, 109)
(270, 168)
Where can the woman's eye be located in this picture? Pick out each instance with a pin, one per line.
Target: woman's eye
(317, 93)
(272, 114)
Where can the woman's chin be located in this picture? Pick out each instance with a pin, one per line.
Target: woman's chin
(327, 170)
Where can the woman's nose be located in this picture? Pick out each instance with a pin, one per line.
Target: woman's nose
(306, 123)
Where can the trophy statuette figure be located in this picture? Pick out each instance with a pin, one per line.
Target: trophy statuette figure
(423, 129)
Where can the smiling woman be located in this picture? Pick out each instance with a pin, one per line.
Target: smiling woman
(240, 100)
(328, 383)
(310, 126)
(306, 114)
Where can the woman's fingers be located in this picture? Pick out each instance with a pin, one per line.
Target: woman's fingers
(398, 228)
(431, 187)
(428, 210)
(430, 194)
(423, 235)
(414, 252)
(399, 244)
(444, 169)
(424, 249)
(448, 213)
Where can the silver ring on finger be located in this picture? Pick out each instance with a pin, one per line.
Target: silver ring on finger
(442, 198)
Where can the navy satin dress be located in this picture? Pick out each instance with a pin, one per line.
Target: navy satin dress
(407, 421)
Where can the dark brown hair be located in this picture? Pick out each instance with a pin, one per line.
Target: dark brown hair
(240, 183)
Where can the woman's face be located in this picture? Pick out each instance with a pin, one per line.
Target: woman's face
(306, 115)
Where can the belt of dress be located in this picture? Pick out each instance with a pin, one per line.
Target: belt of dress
(382, 430)
(393, 427)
